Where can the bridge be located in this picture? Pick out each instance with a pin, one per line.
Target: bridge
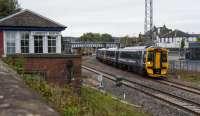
(91, 44)
(77, 46)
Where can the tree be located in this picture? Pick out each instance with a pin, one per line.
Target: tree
(198, 39)
(8, 7)
(107, 38)
(96, 37)
(90, 37)
(129, 41)
(182, 43)
(124, 40)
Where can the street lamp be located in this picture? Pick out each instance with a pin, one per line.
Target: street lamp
(179, 45)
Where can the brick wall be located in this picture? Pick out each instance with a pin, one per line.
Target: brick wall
(57, 67)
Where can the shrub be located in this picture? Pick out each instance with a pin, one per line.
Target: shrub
(16, 63)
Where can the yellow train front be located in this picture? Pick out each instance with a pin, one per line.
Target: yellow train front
(156, 62)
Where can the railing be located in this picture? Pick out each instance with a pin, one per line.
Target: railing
(186, 65)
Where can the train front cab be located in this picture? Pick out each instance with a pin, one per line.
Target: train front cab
(157, 62)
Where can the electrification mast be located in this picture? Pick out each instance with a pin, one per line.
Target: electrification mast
(148, 25)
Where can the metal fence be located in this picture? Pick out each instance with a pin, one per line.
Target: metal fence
(185, 65)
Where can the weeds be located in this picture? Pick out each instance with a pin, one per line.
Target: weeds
(192, 77)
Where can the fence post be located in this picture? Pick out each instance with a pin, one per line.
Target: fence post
(196, 67)
(173, 66)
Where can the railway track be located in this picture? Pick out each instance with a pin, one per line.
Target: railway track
(180, 102)
(181, 86)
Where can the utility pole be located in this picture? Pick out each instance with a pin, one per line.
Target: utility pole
(148, 24)
(148, 15)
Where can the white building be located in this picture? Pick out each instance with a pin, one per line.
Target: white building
(173, 39)
(27, 32)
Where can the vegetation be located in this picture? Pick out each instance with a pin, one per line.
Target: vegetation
(68, 102)
(8, 7)
(198, 39)
(129, 41)
(90, 103)
(96, 37)
(17, 63)
(186, 76)
(182, 43)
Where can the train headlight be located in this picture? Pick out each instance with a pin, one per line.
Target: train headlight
(149, 63)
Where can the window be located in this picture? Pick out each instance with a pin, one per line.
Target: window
(51, 44)
(150, 57)
(144, 57)
(168, 41)
(164, 57)
(10, 36)
(38, 44)
(110, 53)
(131, 55)
(25, 43)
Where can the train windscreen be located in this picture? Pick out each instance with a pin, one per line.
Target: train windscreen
(164, 57)
(150, 57)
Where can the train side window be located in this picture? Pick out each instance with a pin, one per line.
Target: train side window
(123, 55)
(150, 57)
(144, 57)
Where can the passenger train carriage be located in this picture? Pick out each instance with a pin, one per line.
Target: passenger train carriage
(151, 61)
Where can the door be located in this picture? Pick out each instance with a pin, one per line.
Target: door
(157, 62)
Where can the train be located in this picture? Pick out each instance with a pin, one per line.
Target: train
(148, 61)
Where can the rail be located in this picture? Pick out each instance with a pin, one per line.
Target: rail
(178, 101)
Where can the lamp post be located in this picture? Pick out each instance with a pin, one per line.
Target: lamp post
(179, 45)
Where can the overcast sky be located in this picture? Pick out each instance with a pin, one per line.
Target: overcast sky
(117, 17)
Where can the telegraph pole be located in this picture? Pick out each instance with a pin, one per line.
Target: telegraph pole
(148, 24)
(148, 15)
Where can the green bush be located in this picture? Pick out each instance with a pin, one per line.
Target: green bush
(16, 63)
(71, 111)
(19, 65)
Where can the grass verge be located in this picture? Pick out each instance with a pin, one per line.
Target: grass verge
(89, 103)
(186, 76)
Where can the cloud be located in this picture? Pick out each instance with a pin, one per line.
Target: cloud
(118, 17)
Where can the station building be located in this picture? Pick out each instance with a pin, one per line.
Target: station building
(37, 40)
(28, 32)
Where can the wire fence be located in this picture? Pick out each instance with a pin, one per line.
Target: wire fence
(185, 65)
